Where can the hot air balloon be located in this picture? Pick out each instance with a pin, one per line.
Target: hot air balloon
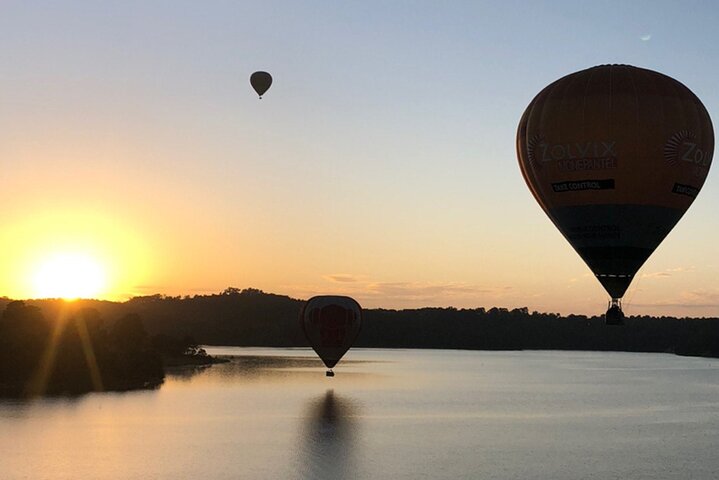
(615, 155)
(261, 82)
(331, 324)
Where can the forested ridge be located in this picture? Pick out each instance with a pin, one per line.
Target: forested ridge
(250, 317)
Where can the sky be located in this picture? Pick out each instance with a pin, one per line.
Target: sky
(381, 164)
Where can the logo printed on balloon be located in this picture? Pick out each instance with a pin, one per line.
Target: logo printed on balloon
(573, 156)
(531, 146)
(682, 147)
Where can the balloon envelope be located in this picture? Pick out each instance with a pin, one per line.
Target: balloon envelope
(615, 155)
(331, 324)
(261, 82)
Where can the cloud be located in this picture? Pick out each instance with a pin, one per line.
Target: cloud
(583, 277)
(401, 294)
(646, 38)
(701, 298)
(342, 278)
(145, 289)
(410, 290)
(668, 272)
(676, 305)
(429, 291)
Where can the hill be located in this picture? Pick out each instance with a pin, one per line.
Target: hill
(250, 317)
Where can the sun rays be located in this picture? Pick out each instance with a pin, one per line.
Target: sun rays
(67, 318)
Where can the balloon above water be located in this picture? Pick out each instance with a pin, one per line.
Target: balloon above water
(331, 324)
(261, 82)
(615, 155)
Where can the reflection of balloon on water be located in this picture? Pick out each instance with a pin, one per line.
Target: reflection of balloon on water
(615, 155)
(327, 442)
(331, 324)
(261, 82)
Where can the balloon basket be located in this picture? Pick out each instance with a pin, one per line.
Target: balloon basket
(329, 373)
(614, 315)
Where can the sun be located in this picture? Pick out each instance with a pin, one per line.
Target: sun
(75, 253)
(69, 276)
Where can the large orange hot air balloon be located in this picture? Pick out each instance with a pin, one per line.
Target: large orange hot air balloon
(331, 324)
(615, 155)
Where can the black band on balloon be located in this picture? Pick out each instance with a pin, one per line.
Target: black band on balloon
(579, 185)
(687, 190)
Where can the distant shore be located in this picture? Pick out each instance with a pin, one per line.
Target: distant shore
(159, 329)
(192, 360)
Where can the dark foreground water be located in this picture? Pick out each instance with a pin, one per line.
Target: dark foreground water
(396, 414)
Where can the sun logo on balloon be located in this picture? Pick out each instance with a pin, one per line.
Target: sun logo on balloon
(531, 146)
(671, 148)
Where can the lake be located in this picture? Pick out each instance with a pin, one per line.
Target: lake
(397, 414)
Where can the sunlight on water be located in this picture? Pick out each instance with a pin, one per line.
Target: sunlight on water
(401, 414)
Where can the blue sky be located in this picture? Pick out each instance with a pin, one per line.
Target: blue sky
(383, 155)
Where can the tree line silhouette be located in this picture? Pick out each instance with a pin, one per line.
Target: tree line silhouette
(250, 317)
(76, 351)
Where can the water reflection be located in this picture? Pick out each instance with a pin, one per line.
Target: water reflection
(251, 368)
(185, 373)
(328, 438)
(26, 407)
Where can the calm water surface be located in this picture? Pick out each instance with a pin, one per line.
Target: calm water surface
(398, 414)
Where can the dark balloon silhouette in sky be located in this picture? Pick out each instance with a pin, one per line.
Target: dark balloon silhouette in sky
(331, 324)
(261, 82)
(615, 155)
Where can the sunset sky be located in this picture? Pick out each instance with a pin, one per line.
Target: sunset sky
(381, 164)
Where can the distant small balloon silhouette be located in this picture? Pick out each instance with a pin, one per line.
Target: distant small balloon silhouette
(261, 82)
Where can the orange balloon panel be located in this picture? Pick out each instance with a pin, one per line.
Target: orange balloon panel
(331, 325)
(615, 155)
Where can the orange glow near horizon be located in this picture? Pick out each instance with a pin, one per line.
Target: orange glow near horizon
(71, 256)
